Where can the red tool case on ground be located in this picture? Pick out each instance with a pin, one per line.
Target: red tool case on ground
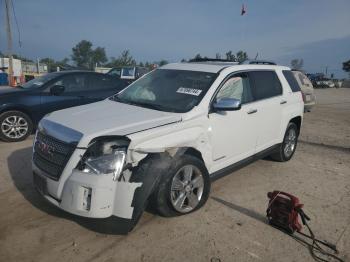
(282, 211)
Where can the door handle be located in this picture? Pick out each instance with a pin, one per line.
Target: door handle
(252, 111)
(283, 102)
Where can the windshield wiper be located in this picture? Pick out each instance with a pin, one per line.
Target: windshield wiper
(150, 106)
(142, 104)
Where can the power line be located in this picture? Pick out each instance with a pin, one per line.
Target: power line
(16, 21)
(9, 42)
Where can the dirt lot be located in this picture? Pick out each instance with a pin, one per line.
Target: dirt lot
(230, 227)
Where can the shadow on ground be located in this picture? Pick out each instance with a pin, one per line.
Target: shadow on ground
(19, 164)
(243, 210)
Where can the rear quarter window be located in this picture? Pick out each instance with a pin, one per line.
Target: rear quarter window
(293, 83)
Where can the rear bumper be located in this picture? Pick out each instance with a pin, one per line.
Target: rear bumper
(93, 196)
(308, 106)
(310, 101)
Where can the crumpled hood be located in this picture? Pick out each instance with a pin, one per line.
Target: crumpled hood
(111, 118)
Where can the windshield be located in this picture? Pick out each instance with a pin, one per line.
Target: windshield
(39, 81)
(168, 90)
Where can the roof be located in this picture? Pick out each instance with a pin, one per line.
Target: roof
(216, 67)
(202, 67)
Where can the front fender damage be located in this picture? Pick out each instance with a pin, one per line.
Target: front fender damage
(147, 160)
(147, 174)
(172, 143)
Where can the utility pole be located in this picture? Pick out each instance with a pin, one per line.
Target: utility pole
(9, 41)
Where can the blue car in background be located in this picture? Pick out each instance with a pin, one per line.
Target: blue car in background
(22, 107)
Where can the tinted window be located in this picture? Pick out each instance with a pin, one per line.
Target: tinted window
(39, 81)
(115, 72)
(265, 84)
(238, 87)
(72, 82)
(105, 82)
(291, 80)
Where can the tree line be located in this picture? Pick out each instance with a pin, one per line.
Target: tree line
(86, 56)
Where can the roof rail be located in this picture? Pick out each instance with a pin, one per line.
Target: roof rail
(205, 59)
(257, 62)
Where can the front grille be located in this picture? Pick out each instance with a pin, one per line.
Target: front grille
(51, 155)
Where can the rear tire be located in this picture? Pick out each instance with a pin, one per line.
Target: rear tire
(15, 126)
(287, 148)
(183, 189)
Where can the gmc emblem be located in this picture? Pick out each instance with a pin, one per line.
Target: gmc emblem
(45, 148)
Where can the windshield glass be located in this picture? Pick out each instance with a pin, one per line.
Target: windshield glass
(168, 90)
(39, 81)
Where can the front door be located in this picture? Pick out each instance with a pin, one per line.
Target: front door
(233, 133)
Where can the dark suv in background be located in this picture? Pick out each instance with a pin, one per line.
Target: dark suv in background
(21, 108)
(128, 73)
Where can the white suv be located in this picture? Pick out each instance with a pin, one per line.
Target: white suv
(163, 139)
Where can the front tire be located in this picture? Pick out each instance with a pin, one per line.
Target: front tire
(15, 126)
(184, 188)
(287, 148)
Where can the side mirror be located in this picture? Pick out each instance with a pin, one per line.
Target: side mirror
(57, 90)
(227, 104)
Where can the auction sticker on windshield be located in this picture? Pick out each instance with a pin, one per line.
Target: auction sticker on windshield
(189, 91)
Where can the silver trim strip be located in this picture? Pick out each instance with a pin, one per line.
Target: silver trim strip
(59, 132)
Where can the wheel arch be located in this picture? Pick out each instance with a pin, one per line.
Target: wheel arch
(157, 162)
(297, 121)
(19, 108)
(194, 152)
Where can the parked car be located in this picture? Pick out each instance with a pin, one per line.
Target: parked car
(129, 73)
(307, 90)
(22, 107)
(164, 138)
(325, 83)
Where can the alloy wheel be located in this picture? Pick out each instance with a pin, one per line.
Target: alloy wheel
(290, 142)
(14, 127)
(187, 189)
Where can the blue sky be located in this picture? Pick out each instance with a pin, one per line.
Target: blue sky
(316, 30)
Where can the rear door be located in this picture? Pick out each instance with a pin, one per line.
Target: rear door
(75, 85)
(268, 103)
(102, 86)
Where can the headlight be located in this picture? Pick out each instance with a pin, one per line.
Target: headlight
(105, 156)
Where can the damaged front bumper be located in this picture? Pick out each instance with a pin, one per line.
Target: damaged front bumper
(93, 196)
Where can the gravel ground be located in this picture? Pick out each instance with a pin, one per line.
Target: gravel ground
(230, 227)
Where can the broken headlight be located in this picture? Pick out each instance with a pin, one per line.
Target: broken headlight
(105, 156)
